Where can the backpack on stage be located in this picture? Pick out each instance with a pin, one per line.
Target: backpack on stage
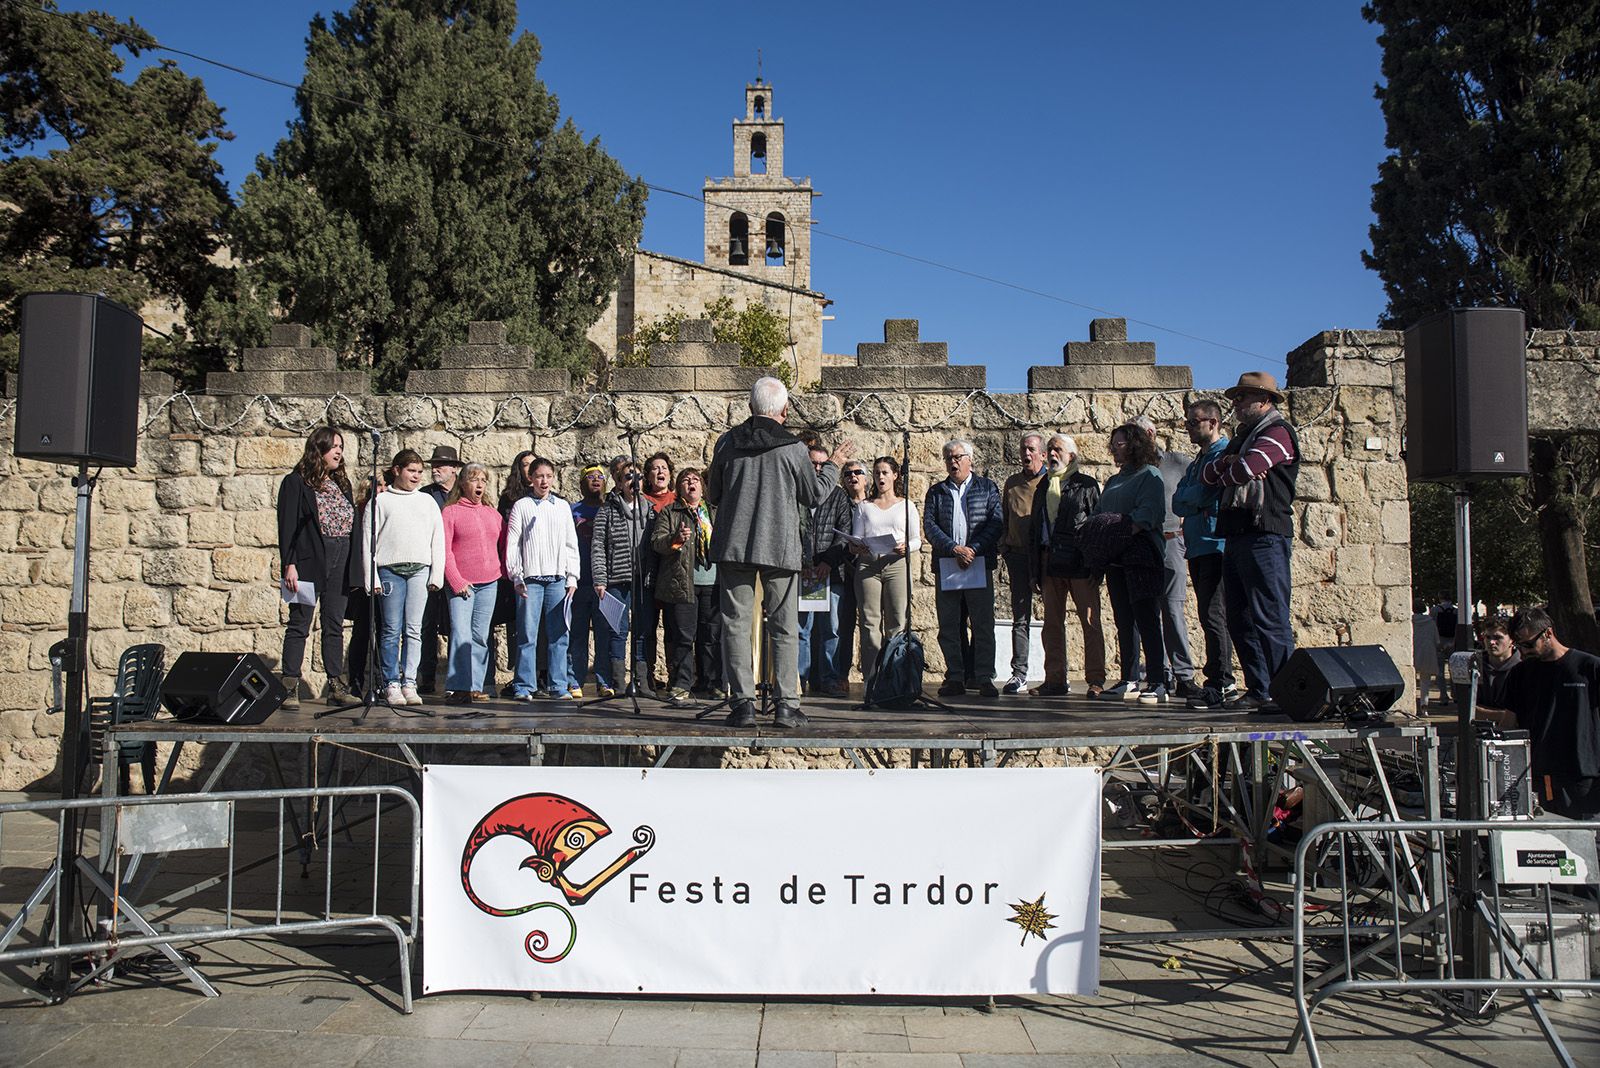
(897, 679)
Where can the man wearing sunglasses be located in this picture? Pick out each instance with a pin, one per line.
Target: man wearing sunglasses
(1554, 695)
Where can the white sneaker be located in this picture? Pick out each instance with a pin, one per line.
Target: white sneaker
(1017, 684)
(394, 695)
(410, 695)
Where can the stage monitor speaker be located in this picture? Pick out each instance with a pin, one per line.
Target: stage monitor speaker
(78, 380)
(1340, 682)
(1467, 396)
(232, 688)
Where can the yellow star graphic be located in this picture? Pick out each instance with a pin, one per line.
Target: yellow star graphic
(1032, 918)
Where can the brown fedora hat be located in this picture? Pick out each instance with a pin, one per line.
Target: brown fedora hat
(444, 454)
(1260, 381)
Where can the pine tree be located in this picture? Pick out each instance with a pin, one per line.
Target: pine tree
(106, 184)
(427, 182)
(1491, 196)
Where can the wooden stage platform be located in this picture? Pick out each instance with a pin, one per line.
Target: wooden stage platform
(991, 725)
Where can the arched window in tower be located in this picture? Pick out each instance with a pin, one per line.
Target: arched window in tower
(761, 107)
(758, 153)
(738, 240)
(775, 250)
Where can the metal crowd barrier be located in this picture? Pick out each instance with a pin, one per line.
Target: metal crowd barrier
(133, 827)
(1390, 854)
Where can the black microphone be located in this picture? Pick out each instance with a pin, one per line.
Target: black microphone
(376, 437)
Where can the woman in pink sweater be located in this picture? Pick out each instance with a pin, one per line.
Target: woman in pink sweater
(472, 571)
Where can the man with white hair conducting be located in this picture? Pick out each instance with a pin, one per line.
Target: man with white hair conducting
(760, 478)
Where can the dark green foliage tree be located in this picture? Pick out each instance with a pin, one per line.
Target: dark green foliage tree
(1491, 196)
(106, 184)
(428, 182)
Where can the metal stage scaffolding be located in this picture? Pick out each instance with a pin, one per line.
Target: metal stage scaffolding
(1211, 778)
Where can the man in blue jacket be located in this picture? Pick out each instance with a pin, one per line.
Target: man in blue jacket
(963, 520)
(1197, 504)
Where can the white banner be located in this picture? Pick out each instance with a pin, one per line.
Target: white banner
(623, 880)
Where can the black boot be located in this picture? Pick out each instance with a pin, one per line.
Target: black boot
(743, 714)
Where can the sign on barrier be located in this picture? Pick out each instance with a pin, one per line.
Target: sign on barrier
(622, 880)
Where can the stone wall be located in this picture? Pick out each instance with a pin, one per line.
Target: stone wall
(184, 545)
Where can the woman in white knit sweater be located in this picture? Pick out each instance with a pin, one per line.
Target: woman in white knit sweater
(542, 564)
(406, 563)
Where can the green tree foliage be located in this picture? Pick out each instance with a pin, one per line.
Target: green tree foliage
(761, 333)
(428, 182)
(106, 184)
(1489, 193)
(1489, 196)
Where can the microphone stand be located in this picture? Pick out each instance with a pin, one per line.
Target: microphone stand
(629, 685)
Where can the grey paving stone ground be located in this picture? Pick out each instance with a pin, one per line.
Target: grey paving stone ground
(332, 1002)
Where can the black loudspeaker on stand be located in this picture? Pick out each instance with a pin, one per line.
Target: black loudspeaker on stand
(78, 380)
(1467, 396)
(230, 688)
(1344, 682)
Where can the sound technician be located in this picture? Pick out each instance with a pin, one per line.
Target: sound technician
(1554, 695)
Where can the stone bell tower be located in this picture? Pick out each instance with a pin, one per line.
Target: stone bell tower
(758, 221)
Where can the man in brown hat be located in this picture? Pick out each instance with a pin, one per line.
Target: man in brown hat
(446, 464)
(1256, 476)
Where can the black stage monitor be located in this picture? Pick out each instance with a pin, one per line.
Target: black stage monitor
(231, 688)
(1339, 683)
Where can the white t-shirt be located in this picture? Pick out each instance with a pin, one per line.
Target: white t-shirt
(871, 520)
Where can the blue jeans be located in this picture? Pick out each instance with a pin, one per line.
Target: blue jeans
(542, 608)
(584, 615)
(469, 636)
(402, 601)
(610, 646)
(819, 642)
(1255, 585)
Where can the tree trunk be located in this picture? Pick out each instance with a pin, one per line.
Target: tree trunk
(1566, 567)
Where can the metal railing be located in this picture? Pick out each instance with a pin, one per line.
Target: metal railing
(132, 827)
(1386, 857)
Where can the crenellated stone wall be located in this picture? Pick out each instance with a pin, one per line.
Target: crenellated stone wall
(184, 545)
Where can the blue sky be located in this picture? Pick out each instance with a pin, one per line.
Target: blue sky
(1202, 167)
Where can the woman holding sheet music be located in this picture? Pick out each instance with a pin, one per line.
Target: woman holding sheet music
(881, 545)
(315, 515)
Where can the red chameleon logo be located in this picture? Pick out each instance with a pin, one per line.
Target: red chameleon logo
(559, 829)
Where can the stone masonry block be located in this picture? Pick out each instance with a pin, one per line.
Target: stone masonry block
(325, 383)
(696, 331)
(287, 359)
(157, 383)
(653, 379)
(726, 379)
(1108, 329)
(1050, 378)
(1135, 376)
(901, 331)
(220, 382)
(490, 380)
(695, 354)
(863, 378)
(267, 453)
(902, 354)
(1103, 352)
(470, 356)
(486, 333)
(953, 377)
(290, 336)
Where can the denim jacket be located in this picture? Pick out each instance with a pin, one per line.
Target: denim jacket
(1197, 504)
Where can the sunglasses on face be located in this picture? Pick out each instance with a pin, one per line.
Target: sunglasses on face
(1533, 643)
(854, 474)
